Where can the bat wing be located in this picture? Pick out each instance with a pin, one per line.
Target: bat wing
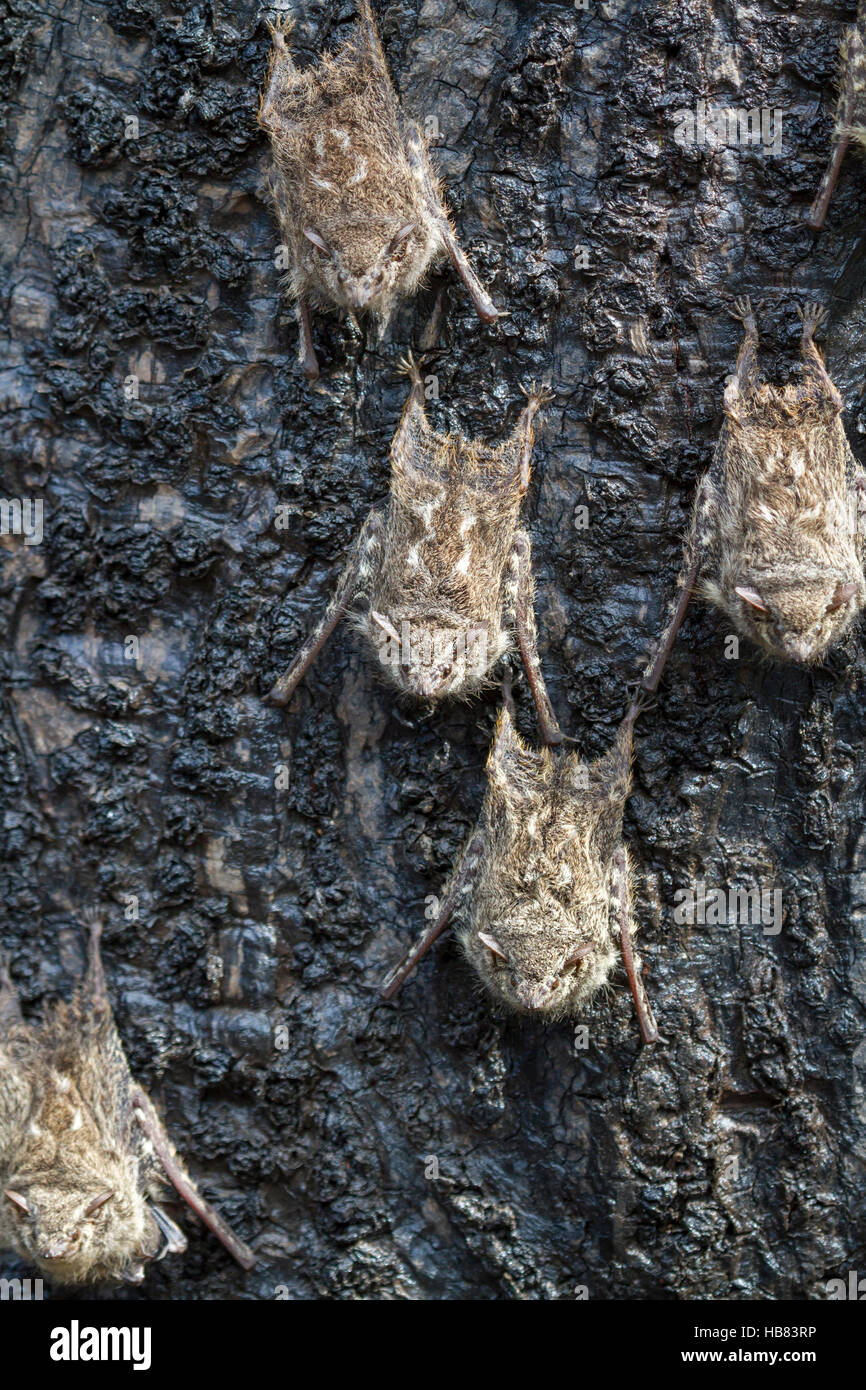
(180, 1180)
(458, 887)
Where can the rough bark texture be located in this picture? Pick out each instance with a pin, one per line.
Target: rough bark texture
(246, 991)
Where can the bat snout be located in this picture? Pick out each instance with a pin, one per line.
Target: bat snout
(798, 649)
(359, 299)
(57, 1249)
(535, 995)
(360, 294)
(428, 684)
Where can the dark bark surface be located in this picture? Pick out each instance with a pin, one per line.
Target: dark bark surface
(728, 1160)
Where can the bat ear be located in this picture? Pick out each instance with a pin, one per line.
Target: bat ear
(492, 945)
(385, 624)
(400, 236)
(751, 596)
(317, 240)
(843, 593)
(98, 1202)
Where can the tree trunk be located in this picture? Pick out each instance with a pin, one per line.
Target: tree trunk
(263, 868)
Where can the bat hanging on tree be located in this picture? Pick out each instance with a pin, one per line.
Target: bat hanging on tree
(85, 1162)
(542, 888)
(444, 578)
(360, 210)
(776, 537)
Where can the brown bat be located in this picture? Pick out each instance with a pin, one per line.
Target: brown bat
(543, 887)
(84, 1158)
(850, 123)
(360, 210)
(776, 539)
(444, 577)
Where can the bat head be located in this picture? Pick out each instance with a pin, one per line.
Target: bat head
(539, 960)
(81, 1228)
(797, 617)
(540, 934)
(427, 661)
(365, 268)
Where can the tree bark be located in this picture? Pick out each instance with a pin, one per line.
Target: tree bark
(199, 498)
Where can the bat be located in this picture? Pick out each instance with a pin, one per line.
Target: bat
(444, 577)
(542, 888)
(85, 1162)
(360, 209)
(776, 536)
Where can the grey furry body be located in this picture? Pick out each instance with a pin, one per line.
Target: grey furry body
(84, 1159)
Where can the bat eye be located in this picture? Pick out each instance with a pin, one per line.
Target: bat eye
(99, 1202)
(753, 598)
(318, 241)
(16, 1199)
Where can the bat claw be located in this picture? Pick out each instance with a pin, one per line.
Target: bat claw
(538, 395)
(811, 316)
(742, 309)
(409, 367)
(279, 27)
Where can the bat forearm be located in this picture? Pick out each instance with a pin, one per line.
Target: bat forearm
(648, 1028)
(459, 884)
(351, 581)
(527, 640)
(183, 1183)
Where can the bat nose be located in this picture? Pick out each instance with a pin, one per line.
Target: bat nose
(533, 995)
(427, 684)
(359, 296)
(798, 649)
(57, 1249)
